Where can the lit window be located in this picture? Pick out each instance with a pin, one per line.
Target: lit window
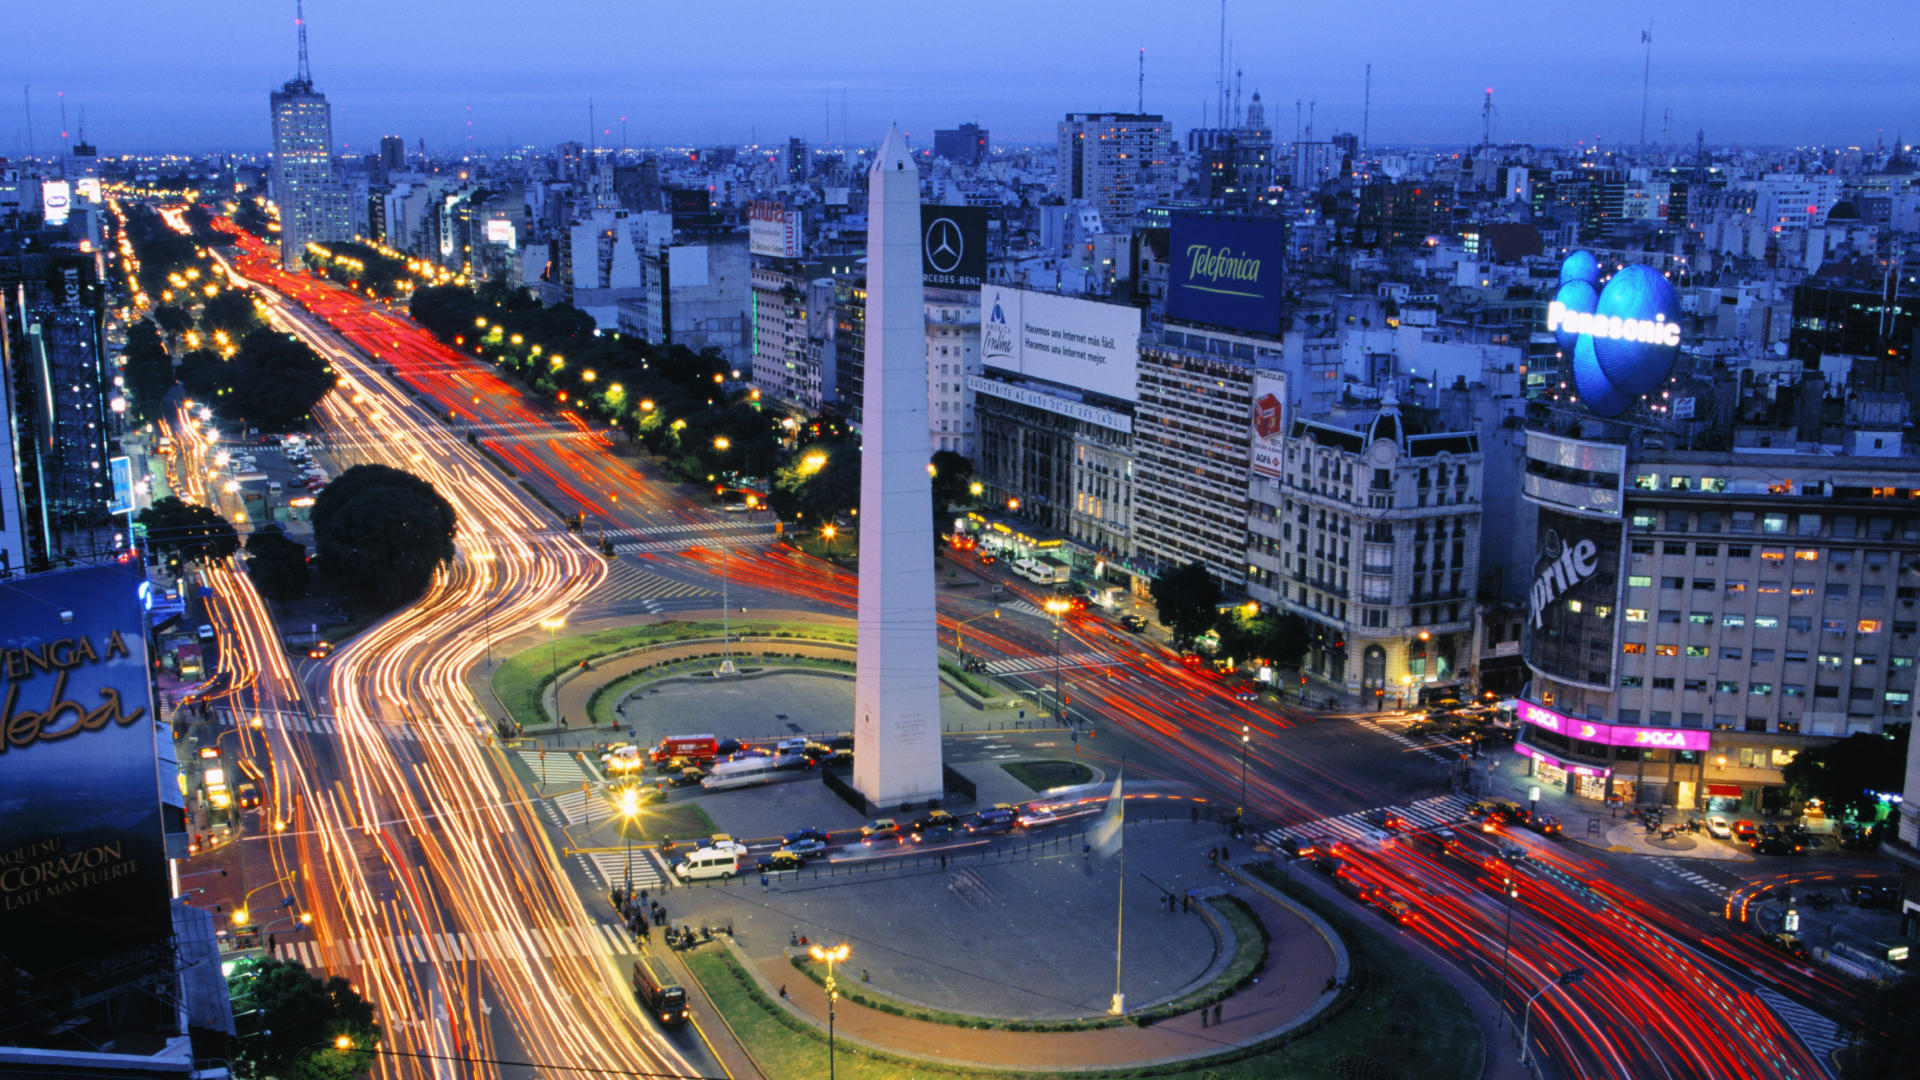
(1773, 554)
(1766, 622)
(1639, 581)
(1575, 606)
(1666, 650)
(1806, 554)
(1697, 651)
(1802, 590)
(1733, 622)
(1868, 626)
(1760, 689)
(1635, 614)
(1633, 648)
(1736, 586)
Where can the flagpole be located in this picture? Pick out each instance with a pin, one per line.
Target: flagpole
(1119, 1006)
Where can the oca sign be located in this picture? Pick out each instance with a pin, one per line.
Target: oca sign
(1624, 336)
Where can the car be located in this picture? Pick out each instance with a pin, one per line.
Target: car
(986, 558)
(1745, 830)
(1513, 853)
(1132, 624)
(808, 833)
(1386, 819)
(1544, 824)
(1330, 845)
(1857, 837)
(1422, 727)
(1478, 808)
(1036, 816)
(935, 819)
(1788, 944)
(723, 842)
(726, 747)
(1718, 828)
(205, 633)
(747, 753)
(689, 776)
(840, 742)
(320, 651)
(998, 818)
(839, 758)
(1773, 845)
(247, 795)
(1507, 811)
(782, 861)
(1294, 847)
(1871, 897)
(807, 848)
(1329, 865)
(934, 834)
(880, 829)
(1445, 839)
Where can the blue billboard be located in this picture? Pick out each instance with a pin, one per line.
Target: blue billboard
(83, 871)
(1624, 335)
(1225, 271)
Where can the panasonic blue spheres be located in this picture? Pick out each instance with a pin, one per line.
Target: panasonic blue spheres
(1624, 336)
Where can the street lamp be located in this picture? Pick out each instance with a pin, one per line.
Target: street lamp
(827, 533)
(835, 955)
(485, 558)
(1246, 736)
(1058, 608)
(960, 645)
(629, 809)
(1526, 1021)
(1512, 892)
(552, 627)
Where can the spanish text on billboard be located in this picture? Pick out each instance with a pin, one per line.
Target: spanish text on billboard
(82, 869)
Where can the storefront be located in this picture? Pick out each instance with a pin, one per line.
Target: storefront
(1584, 781)
(1632, 764)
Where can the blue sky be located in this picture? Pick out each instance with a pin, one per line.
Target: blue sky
(195, 75)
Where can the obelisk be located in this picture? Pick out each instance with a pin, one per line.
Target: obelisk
(896, 705)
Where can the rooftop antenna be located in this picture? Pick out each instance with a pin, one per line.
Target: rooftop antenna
(1296, 119)
(303, 73)
(1486, 120)
(1238, 116)
(26, 90)
(1310, 106)
(1666, 125)
(1646, 71)
(66, 144)
(1140, 99)
(623, 137)
(1366, 111)
(1220, 77)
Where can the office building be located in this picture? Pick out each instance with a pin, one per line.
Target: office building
(393, 153)
(791, 328)
(1120, 163)
(799, 165)
(313, 205)
(964, 145)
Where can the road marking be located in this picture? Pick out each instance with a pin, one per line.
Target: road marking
(585, 939)
(1821, 1035)
(1430, 813)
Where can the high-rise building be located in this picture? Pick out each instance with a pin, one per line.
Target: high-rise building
(393, 153)
(313, 206)
(964, 145)
(798, 163)
(1121, 163)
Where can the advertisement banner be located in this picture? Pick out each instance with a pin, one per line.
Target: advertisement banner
(56, 200)
(1575, 586)
(1082, 344)
(773, 230)
(1269, 427)
(501, 232)
(1613, 734)
(82, 869)
(953, 246)
(120, 470)
(1225, 271)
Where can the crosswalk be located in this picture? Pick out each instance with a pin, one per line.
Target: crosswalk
(324, 724)
(1408, 741)
(1821, 1035)
(1690, 877)
(610, 867)
(558, 768)
(764, 535)
(1022, 607)
(580, 940)
(1430, 813)
(626, 581)
(1021, 665)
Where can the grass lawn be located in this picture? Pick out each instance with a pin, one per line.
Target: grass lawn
(978, 688)
(1041, 775)
(522, 677)
(600, 705)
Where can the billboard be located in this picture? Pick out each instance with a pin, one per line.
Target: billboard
(1078, 343)
(82, 867)
(1269, 426)
(500, 231)
(56, 198)
(88, 188)
(953, 246)
(1570, 624)
(120, 471)
(773, 230)
(1624, 335)
(1614, 734)
(1225, 271)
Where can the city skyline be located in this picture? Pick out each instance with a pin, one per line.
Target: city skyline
(1743, 76)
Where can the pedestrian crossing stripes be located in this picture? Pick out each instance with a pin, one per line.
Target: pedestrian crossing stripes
(1021, 665)
(577, 805)
(628, 582)
(1408, 741)
(580, 940)
(1821, 1035)
(290, 720)
(1022, 607)
(1430, 813)
(560, 768)
(687, 528)
(1690, 877)
(611, 868)
(765, 536)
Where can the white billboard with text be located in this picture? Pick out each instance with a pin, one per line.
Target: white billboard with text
(1079, 343)
(1269, 423)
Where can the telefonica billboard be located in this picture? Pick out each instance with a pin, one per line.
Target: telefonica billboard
(1225, 271)
(1623, 336)
(82, 868)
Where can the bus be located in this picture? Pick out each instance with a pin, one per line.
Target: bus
(743, 773)
(1041, 573)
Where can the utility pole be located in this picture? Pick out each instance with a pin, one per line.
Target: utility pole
(1646, 71)
(1366, 111)
(1486, 120)
(1140, 97)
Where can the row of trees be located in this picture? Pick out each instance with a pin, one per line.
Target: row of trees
(148, 371)
(1188, 601)
(272, 381)
(358, 266)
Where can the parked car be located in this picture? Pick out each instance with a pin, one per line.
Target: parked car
(1871, 896)
(1745, 830)
(1774, 845)
(1132, 624)
(1857, 837)
(1718, 828)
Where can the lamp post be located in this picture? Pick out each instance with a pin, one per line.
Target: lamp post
(485, 559)
(552, 627)
(827, 533)
(959, 643)
(1526, 1021)
(1246, 736)
(835, 955)
(629, 809)
(1506, 938)
(1058, 608)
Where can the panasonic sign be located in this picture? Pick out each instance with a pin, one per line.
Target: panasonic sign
(1577, 562)
(1656, 331)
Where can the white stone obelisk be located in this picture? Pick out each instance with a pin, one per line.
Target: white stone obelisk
(896, 705)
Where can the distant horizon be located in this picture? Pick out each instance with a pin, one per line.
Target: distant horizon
(147, 79)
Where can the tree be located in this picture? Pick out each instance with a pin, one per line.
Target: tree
(819, 482)
(278, 564)
(1846, 775)
(294, 1026)
(381, 533)
(230, 310)
(188, 531)
(149, 370)
(1186, 600)
(1277, 637)
(272, 383)
(952, 483)
(173, 319)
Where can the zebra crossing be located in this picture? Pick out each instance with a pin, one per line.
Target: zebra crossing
(324, 724)
(709, 540)
(1821, 1035)
(1406, 740)
(545, 942)
(628, 582)
(611, 868)
(1691, 878)
(1430, 813)
(1021, 665)
(1022, 607)
(559, 768)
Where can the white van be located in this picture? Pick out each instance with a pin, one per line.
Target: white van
(708, 863)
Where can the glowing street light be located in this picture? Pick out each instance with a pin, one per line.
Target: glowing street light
(552, 627)
(629, 810)
(835, 955)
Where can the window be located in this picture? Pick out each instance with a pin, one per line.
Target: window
(1706, 551)
(1643, 547)
(1799, 624)
(1774, 554)
(1763, 656)
(1759, 689)
(1898, 697)
(1876, 560)
(1826, 691)
(1872, 594)
(1643, 519)
(1666, 650)
(1792, 690)
(1903, 628)
(1713, 483)
(1673, 583)
(1705, 585)
(1868, 626)
(1678, 483)
(1773, 523)
(1647, 481)
(1663, 684)
(1739, 551)
(1673, 547)
(1639, 581)
(1903, 661)
(1834, 626)
(1697, 651)
(1671, 618)
(1729, 654)
(1801, 591)
(1806, 555)
(1796, 656)
(1770, 588)
(1635, 614)
(1697, 618)
(1726, 686)
(1866, 661)
(1766, 622)
(1630, 682)
(1832, 659)
(1808, 525)
(1633, 648)
(1696, 686)
(1736, 586)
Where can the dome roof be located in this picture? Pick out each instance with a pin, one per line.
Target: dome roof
(1844, 210)
(1386, 423)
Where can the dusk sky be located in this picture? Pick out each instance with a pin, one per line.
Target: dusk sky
(195, 76)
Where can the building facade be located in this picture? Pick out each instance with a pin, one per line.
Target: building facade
(1120, 163)
(313, 206)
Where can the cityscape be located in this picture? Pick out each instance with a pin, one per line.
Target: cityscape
(580, 541)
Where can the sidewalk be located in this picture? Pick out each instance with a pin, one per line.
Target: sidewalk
(1590, 824)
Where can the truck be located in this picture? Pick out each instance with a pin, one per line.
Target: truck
(699, 749)
(659, 991)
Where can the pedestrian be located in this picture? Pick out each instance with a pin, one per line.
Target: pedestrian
(1203, 1016)
(783, 991)
(1186, 903)
(1331, 984)
(1223, 853)
(1217, 1006)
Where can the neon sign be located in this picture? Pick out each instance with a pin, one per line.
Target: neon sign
(1613, 734)
(1658, 331)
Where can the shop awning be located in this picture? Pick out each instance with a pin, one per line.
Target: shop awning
(1723, 791)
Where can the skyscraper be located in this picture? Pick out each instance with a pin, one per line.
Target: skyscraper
(1120, 163)
(964, 145)
(313, 206)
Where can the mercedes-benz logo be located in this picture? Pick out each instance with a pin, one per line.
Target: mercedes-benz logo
(944, 245)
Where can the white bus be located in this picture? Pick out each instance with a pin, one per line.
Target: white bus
(1041, 573)
(743, 773)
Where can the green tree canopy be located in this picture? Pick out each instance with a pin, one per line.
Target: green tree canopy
(1186, 600)
(1845, 775)
(173, 319)
(278, 564)
(188, 531)
(290, 1024)
(1278, 637)
(272, 383)
(230, 310)
(380, 534)
(820, 481)
(149, 370)
(952, 481)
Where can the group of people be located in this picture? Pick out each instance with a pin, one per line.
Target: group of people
(640, 913)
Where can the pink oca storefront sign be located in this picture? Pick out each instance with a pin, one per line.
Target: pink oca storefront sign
(1614, 734)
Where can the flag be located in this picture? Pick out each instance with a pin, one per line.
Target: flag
(1105, 837)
